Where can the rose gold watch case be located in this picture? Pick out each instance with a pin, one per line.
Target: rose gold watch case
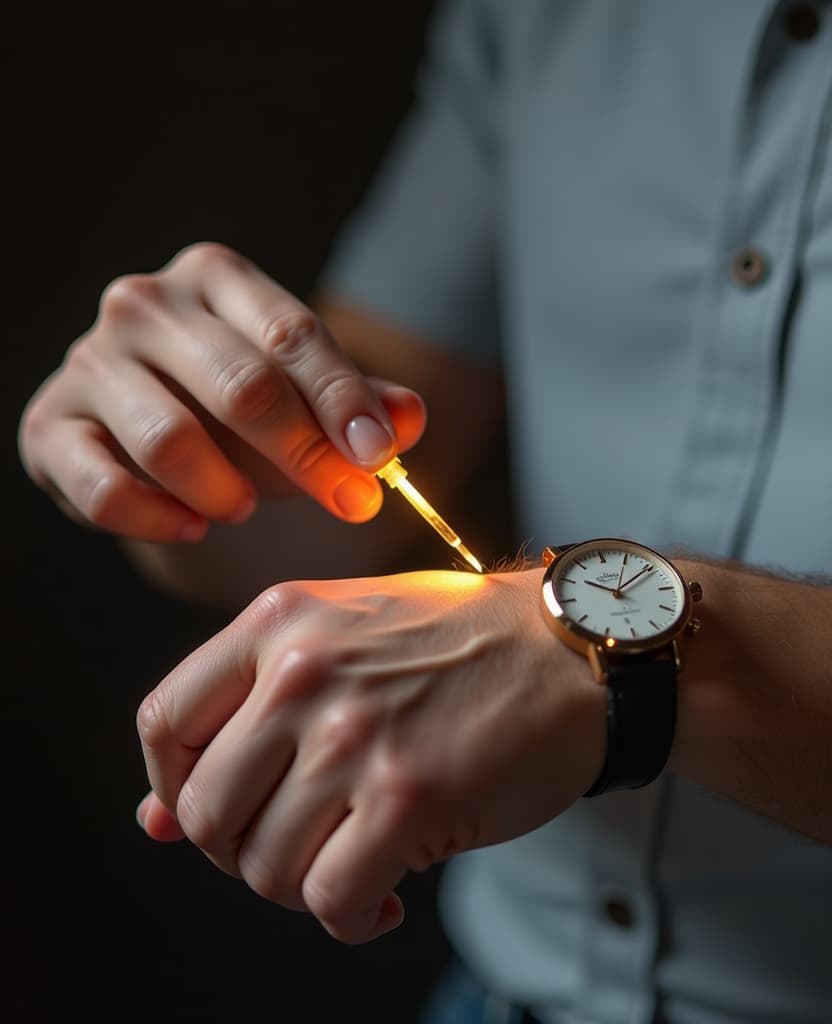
(598, 649)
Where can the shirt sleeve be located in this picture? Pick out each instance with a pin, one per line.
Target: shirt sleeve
(420, 249)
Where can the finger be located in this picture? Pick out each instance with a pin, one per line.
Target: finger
(78, 461)
(157, 821)
(168, 443)
(297, 341)
(185, 712)
(188, 708)
(278, 849)
(349, 886)
(405, 409)
(238, 772)
(230, 378)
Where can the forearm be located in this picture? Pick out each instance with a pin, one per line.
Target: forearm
(755, 696)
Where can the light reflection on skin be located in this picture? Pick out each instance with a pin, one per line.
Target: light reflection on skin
(450, 580)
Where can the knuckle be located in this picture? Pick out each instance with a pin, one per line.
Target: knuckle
(165, 442)
(77, 354)
(206, 255)
(340, 915)
(131, 297)
(151, 721)
(333, 389)
(345, 728)
(87, 356)
(326, 905)
(308, 453)
(298, 673)
(249, 391)
(33, 423)
(196, 823)
(101, 497)
(276, 605)
(402, 789)
(287, 333)
(262, 878)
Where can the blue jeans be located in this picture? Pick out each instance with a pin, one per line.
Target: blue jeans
(459, 998)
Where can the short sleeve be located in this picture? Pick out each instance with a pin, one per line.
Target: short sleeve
(420, 249)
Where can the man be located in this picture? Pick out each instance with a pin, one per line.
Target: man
(610, 225)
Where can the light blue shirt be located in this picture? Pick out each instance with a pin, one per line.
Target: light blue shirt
(572, 196)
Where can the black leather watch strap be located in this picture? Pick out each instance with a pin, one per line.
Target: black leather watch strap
(641, 722)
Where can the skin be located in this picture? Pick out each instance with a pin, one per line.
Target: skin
(341, 732)
(291, 747)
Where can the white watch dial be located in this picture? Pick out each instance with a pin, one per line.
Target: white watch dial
(618, 590)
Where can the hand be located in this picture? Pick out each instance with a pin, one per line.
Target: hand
(340, 733)
(197, 388)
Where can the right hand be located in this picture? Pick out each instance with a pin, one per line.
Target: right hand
(199, 387)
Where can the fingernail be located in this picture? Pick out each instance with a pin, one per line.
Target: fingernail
(357, 497)
(368, 439)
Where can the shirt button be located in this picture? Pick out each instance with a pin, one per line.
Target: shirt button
(801, 22)
(749, 267)
(618, 912)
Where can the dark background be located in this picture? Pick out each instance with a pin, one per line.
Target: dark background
(131, 131)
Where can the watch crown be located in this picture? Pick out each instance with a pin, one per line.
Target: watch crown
(693, 627)
(695, 590)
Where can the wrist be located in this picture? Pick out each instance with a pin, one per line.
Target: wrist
(572, 712)
(723, 699)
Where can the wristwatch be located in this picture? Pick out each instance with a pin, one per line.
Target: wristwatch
(624, 607)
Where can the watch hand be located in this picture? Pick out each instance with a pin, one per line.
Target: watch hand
(601, 586)
(617, 591)
(632, 579)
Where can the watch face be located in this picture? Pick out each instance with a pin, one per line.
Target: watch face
(615, 593)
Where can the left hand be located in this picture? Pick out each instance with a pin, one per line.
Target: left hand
(340, 733)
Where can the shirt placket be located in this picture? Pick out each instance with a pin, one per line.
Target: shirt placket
(745, 297)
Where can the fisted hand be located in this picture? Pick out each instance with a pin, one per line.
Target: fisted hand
(340, 733)
(199, 387)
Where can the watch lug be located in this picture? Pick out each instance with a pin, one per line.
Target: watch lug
(598, 663)
(677, 656)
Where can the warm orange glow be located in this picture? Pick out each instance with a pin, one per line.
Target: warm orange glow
(610, 641)
(451, 581)
(393, 474)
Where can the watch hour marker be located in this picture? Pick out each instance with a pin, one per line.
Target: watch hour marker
(568, 600)
(666, 608)
(567, 580)
(581, 564)
(581, 619)
(625, 559)
(601, 556)
(653, 624)
(633, 632)
(665, 588)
